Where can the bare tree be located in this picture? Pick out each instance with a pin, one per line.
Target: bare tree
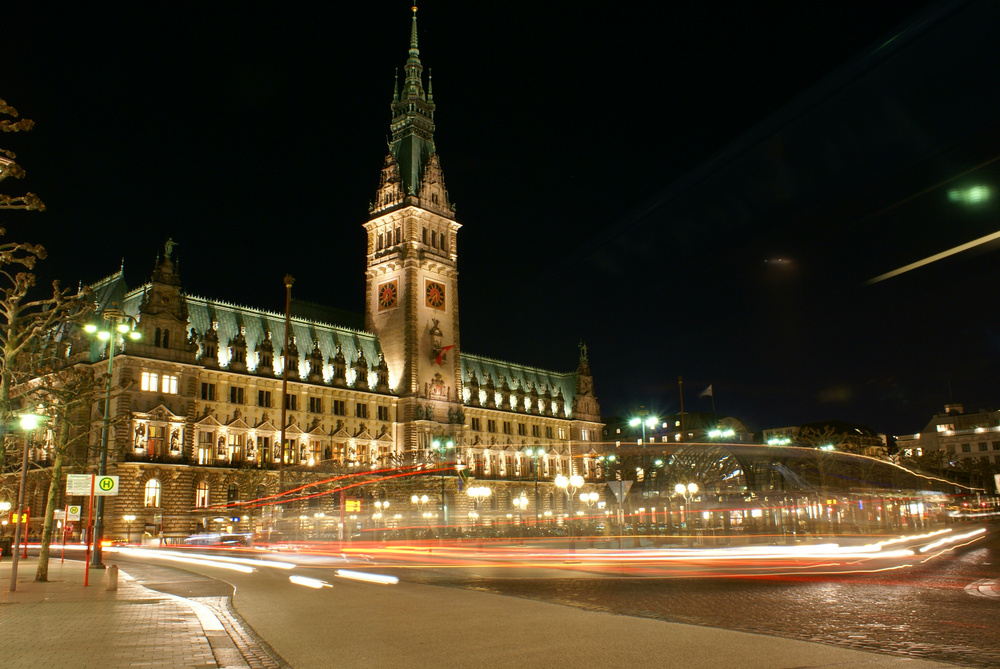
(28, 325)
(66, 396)
(11, 170)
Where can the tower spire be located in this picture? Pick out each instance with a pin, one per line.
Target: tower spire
(412, 126)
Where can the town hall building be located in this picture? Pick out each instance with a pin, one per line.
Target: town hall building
(196, 416)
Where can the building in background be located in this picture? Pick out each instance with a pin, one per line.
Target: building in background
(196, 415)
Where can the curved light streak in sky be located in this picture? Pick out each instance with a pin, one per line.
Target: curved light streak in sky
(934, 258)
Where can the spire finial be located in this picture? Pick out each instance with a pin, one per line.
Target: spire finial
(414, 51)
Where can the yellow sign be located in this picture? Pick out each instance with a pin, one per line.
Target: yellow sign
(352, 505)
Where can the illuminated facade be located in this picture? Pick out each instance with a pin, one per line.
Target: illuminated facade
(197, 422)
(962, 437)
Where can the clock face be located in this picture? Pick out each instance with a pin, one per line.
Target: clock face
(388, 293)
(435, 295)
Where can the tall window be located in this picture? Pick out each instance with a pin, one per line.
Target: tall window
(157, 436)
(208, 391)
(205, 442)
(152, 496)
(201, 495)
(339, 407)
(264, 398)
(237, 395)
(476, 424)
(290, 402)
(361, 410)
(232, 494)
(383, 412)
(315, 405)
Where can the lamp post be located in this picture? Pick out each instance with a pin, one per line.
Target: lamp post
(687, 492)
(520, 503)
(644, 420)
(478, 494)
(570, 485)
(441, 445)
(129, 519)
(119, 324)
(534, 454)
(421, 500)
(381, 508)
(28, 421)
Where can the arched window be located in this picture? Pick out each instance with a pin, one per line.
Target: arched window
(201, 495)
(156, 338)
(232, 494)
(152, 496)
(166, 338)
(261, 492)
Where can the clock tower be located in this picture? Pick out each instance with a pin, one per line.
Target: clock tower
(412, 275)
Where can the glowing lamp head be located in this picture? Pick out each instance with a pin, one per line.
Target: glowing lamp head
(104, 335)
(692, 488)
(123, 328)
(634, 422)
(561, 481)
(90, 328)
(679, 489)
(576, 480)
(30, 421)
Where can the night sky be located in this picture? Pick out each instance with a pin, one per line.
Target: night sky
(625, 173)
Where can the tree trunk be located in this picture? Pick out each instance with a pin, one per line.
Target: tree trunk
(42, 573)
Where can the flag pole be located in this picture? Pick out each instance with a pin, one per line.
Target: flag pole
(680, 386)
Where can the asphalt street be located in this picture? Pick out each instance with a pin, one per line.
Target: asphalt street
(925, 612)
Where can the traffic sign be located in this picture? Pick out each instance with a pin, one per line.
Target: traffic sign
(79, 484)
(106, 485)
(73, 512)
(620, 489)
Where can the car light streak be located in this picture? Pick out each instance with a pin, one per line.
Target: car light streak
(370, 578)
(190, 560)
(314, 583)
(952, 539)
(250, 562)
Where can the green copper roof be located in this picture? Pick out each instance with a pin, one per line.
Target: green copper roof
(412, 123)
(517, 374)
(229, 317)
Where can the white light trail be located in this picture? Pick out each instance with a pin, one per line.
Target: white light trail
(952, 539)
(309, 582)
(370, 578)
(250, 562)
(188, 560)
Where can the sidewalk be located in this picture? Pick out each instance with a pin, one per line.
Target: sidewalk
(61, 623)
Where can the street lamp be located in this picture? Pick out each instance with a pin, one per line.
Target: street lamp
(570, 485)
(687, 492)
(442, 445)
(478, 494)
(534, 454)
(381, 508)
(4, 509)
(645, 421)
(119, 324)
(520, 503)
(422, 501)
(28, 421)
(129, 519)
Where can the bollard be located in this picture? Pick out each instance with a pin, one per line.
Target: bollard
(112, 577)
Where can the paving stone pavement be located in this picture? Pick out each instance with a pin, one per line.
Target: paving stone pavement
(61, 623)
